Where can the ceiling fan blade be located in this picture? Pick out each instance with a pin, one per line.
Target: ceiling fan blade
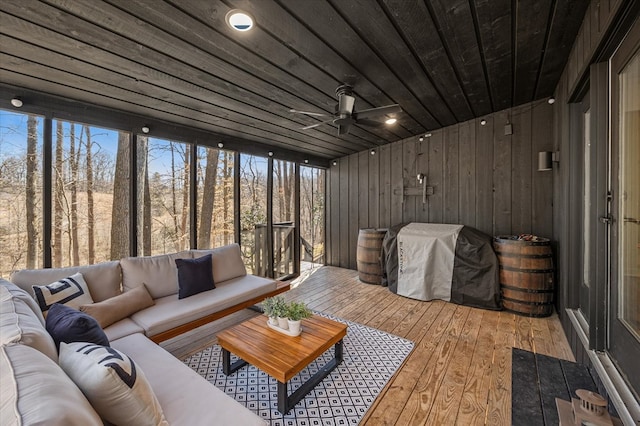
(319, 114)
(375, 112)
(369, 123)
(316, 125)
(345, 104)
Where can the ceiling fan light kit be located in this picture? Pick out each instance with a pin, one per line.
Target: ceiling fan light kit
(345, 115)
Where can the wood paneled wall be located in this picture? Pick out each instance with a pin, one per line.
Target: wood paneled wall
(481, 178)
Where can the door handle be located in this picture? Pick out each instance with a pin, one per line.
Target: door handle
(606, 220)
(632, 220)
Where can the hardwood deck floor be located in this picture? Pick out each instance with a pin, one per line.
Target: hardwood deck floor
(460, 369)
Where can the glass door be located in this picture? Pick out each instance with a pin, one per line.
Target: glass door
(624, 321)
(284, 193)
(588, 181)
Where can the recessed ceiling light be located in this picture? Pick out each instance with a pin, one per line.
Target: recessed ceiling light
(391, 121)
(145, 129)
(220, 145)
(239, 20)
(373, 152)
(16, 102)
(270, 153)
(551, 100)
(306, 161)
(483, 122)
(335, 162)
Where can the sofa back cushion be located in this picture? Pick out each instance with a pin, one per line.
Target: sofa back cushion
(20, 325)
(158, 273)
(39, 392)
(21, 294)
(103, 279)
(226, 262)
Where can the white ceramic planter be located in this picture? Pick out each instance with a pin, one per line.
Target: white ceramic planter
(294, 326)
(283, 323)
(273, 320)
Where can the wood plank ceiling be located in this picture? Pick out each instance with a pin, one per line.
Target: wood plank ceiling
(443, 61)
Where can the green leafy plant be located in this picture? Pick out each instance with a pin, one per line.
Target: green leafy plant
(275, 307)
(297, 311)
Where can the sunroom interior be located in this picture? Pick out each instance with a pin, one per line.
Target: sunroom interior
(136, 128)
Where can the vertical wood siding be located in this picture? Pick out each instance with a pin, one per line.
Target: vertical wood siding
(481, 178)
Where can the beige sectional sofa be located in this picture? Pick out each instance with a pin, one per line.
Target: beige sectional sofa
(32, 381)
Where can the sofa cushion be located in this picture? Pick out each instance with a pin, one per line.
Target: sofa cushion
(194, 276)
(116, 387)
(170, 312)
(68, 325)
(19, 324)
(122, 328)
(35, 391)
(71, 291)
(18, 293)
(226, 262)
(185, 397)
(119, 307)
(158, 273)
(103, 279)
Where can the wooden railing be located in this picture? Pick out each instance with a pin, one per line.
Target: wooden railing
(283, 247)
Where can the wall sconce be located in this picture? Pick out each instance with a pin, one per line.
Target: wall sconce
(145, 129)
(17, 102)
(420, 177)
(546, 160)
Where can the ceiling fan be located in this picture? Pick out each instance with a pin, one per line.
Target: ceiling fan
(344, 115)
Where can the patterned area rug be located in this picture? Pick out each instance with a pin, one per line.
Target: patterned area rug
(371, 357)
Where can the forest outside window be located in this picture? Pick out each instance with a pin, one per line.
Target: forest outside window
(215, 197)
(90, 194)
(20, 191)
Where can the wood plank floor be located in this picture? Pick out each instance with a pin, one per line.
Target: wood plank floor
(460, 369)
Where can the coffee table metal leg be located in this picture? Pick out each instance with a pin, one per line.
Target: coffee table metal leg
(227, 367)
(283, 398)
(286, 402)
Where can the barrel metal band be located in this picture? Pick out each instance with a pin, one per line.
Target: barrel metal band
(526, 290)
(527, 303)
(526, 256)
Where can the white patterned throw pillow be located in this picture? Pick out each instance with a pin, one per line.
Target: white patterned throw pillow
(114, 385)
(71, 291)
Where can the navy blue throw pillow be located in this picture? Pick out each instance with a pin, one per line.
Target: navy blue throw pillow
(194, 276)
(69, 325)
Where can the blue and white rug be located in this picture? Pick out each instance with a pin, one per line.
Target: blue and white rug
(371, 357)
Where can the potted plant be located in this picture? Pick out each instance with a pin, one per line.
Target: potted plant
(296, 312)
(268, 307)
(279, 311)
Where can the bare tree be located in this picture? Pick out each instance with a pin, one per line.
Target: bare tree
(208, 198)
(73, 188)
(58, 198)
(143, 196)
(32, 165)
(184, 214)
(90, 210)
(120, 206)
(225, 201)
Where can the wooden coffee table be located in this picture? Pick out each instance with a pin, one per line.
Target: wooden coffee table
(282, 356)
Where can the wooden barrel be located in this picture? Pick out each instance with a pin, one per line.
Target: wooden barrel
(526, 275)
(368, 255)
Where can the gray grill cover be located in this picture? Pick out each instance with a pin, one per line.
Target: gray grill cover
(475, 280)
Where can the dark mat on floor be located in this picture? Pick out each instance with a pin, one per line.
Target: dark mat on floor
(537, 380)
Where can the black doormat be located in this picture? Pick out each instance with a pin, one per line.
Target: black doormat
(537, 380)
